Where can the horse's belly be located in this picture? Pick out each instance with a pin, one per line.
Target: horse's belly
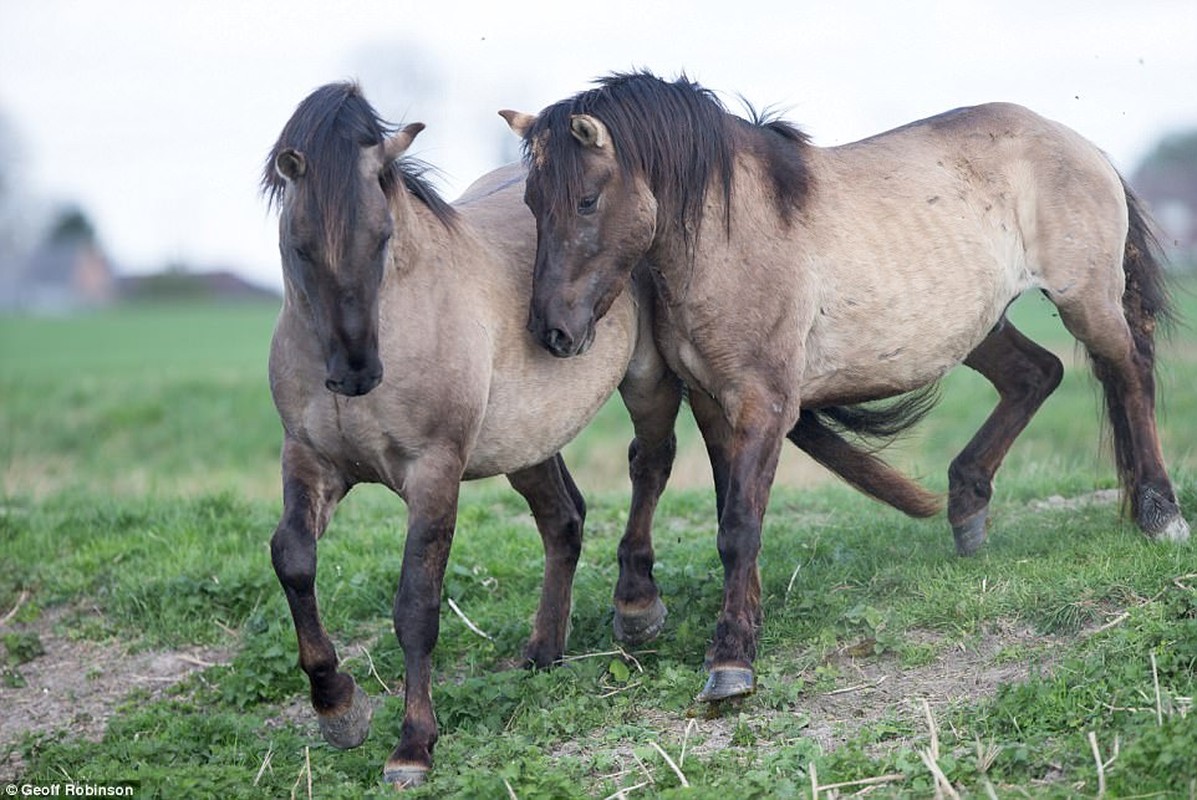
(893, 319)
(875, 375)
(882, 351)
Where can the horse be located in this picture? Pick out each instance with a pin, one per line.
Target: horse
(400, 358)
(790, 278)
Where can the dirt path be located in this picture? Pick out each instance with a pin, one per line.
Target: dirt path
(78, 685)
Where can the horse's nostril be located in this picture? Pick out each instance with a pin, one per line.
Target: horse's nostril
(558, 342)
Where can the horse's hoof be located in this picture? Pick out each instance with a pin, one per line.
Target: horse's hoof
(1176, 530)
(971, 533)
(405, 776)
(1159, 517)
(635, 629)
(351, 727)
(725, 682)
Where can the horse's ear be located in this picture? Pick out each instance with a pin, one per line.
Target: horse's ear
(588, 130)
(397, 145)
(290, 164)
(520, 122)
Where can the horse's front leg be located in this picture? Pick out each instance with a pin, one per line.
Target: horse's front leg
(431, 492)
(311, 490)
(652, 401)
(744, 443)
(559, 511)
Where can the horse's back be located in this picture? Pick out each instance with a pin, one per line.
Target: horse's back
(505, 178)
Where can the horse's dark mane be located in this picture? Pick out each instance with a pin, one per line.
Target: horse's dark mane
(330, 127)
(783, 154)
(678, 135)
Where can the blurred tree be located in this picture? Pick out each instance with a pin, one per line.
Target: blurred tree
(72, 227)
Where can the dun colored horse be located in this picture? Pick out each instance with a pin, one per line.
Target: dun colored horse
(790, 278)
(401, 358)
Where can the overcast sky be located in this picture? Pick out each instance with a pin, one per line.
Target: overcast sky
(155, 116)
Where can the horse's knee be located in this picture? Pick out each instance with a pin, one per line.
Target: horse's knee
(293, 555)
(652, 463)
(562, 535)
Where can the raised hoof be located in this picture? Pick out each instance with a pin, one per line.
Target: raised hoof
(971, 533)
(643, 627)
(407, 776)
(725, 682)
(351, 727)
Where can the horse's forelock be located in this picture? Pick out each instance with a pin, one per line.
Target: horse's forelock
(554, 160)
(330, 127)
(671, 134)
(677, 135)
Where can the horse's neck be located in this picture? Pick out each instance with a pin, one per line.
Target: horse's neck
(420, 242)
(677, 249)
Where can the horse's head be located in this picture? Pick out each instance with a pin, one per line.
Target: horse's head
(335, 225)
(629, 169)
(595, 220)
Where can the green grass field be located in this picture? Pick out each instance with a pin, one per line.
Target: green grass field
(139, 487)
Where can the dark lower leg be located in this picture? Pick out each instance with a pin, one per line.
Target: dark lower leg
(653, 405)
(309, 495)
(559, 511)
(417, 625)
(750, 452)
(1130, 405)
(1024, 375)
(639, 613)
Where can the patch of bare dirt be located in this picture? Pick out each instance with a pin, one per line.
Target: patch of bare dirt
(871, 689)
(867, 690)
(1057, 502)
(78, 685)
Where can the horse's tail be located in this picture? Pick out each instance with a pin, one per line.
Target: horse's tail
(819, 435)
(1147, 307)
(1146, 301)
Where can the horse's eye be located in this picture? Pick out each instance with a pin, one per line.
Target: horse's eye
(588, 204)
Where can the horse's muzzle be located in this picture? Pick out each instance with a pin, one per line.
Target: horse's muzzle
(354, 384)
(561, 335)
(563, 345)
(353, 374)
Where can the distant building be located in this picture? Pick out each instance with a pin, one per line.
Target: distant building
(60, 276)
(69, 272)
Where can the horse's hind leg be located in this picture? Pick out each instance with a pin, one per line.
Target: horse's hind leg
(1024, 374)
(1123, 357)
(653, 405)
(310, 492)
(559, 511)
